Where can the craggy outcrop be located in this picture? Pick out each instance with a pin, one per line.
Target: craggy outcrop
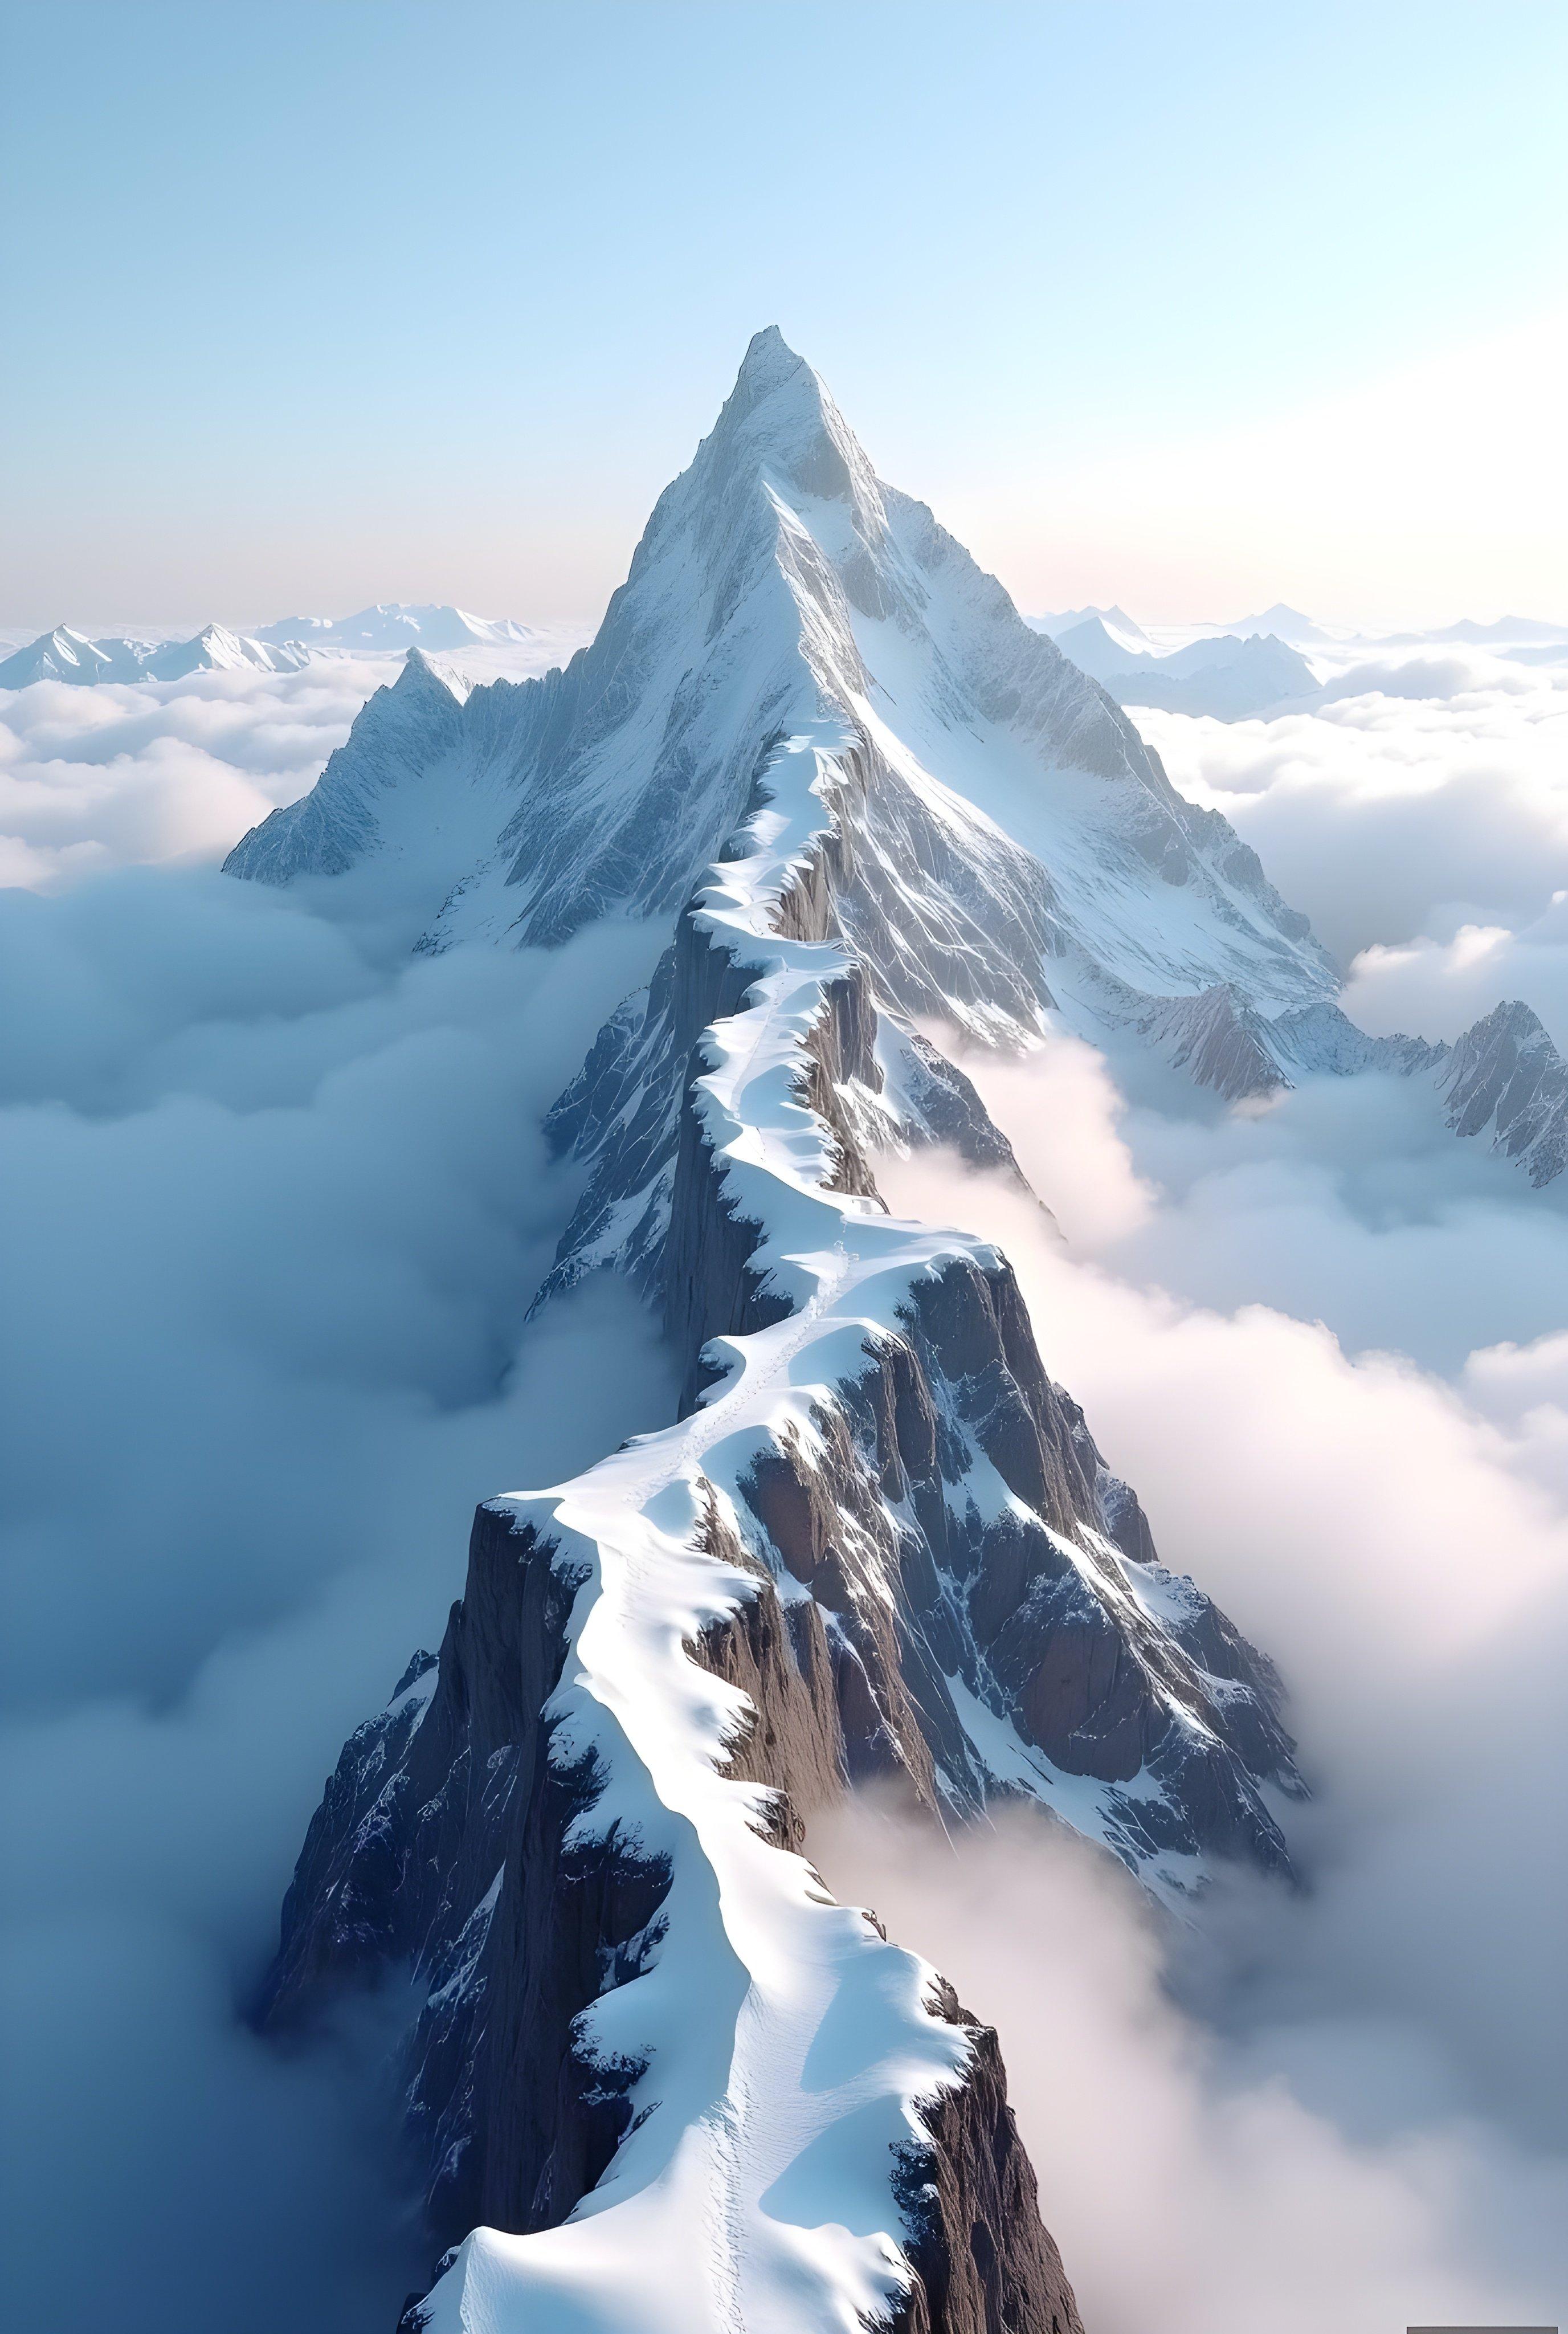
(942, 1540)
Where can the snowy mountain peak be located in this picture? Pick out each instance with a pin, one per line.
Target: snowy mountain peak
(817, 748)
(1114, 620)
(778, 584)
(421, 673)
(780, 419)
(1505, 1078)
(768, 360)
(1287, 623)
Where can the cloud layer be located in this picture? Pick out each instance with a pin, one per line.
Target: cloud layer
(276, 1200)
(1426, 792)
(112, 777)
(1360, 2109)
(1192, 2185)
(274, 1205)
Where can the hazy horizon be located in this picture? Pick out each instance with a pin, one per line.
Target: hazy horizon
(1165, 309)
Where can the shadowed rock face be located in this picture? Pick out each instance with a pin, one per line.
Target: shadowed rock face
(981, 2256)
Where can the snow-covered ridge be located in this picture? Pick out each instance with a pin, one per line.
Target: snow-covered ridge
(879, 1542)
(780, 2066)
(755, 1971)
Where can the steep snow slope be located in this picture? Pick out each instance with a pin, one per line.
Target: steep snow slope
(658, 2078)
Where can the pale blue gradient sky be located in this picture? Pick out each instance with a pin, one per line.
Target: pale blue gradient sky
(1194, 304)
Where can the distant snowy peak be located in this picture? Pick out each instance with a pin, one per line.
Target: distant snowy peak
(1234, 677)
(391, 625)
(1503, 1080)
(1506, 1079)
(1116, 622)
(1284, 623)
(1525, 629)
(1017, 844)
(218, 650)
(70, 656)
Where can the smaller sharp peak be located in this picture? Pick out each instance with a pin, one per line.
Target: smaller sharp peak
(1511, 1019)
(423, 679)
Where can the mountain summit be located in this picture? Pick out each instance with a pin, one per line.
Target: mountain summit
(659, 2082)
(775, 579)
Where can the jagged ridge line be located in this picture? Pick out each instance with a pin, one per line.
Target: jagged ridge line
(615, 1570)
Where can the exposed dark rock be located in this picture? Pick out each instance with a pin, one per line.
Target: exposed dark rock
(984, 2260)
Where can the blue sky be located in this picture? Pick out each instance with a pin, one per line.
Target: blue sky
(1189, 304)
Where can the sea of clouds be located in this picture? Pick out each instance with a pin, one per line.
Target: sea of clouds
(1347, 2105)
(276, 1201)
(1418, 811)
(275, 1198)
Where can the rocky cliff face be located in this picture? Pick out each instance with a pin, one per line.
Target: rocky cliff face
(659, 2079)
(918, 1569)
(1506, 1078)
(1503, 1080)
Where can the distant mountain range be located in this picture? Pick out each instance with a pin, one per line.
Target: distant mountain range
(67, 655)
(1116, 622)
(1255, 666)
(1233, 678)
(1233, 674)
(1506, 627)
(386, 630)
(391, 625)
(1284, 623)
